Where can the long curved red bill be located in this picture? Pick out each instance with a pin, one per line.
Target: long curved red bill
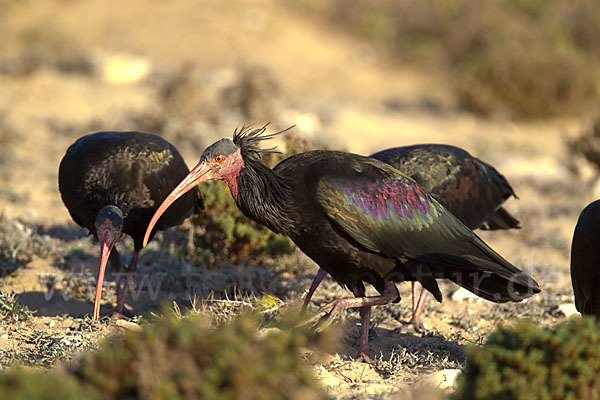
(198, 174)
(106, 247)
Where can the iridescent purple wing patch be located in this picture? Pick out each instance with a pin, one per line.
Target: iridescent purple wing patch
(398, 198)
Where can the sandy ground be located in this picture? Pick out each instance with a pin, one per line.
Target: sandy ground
(72, 67)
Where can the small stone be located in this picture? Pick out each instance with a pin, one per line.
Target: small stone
(444, 379)
(51, 324)
(132, 326)
(568, 309)
(4, 336)
(462, 294)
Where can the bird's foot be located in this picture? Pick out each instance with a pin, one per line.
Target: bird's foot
(121, 316)
(363, 357)
(323, 321)
(417, 325)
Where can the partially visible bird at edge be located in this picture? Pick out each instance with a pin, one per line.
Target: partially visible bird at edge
(359, 219)
(585, 261)
(112, 183)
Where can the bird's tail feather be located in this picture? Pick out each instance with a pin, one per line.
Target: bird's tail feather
(496, 288)
(483, 277)
(501, 219)
(424, 275)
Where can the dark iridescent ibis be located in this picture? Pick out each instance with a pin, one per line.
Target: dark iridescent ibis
(585, 261)
(469, 188)
(112, 183)
(359, 219)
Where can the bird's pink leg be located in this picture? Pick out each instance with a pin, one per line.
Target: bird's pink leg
(365, 320)
(389, 295)
(417, 310)
(413, 286)
(122, 291)
(315, 283)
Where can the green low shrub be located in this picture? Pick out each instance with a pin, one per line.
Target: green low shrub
(183, 358)
(29, 384)
(526, 362)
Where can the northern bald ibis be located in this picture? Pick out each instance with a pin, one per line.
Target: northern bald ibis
(359, 219)
(112, 183)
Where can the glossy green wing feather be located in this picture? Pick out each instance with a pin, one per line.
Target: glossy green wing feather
(389, 213)
(394, 217)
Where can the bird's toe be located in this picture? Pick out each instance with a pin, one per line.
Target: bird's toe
(123, 315)
(363, 357)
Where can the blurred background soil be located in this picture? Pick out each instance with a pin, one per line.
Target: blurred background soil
(514, 82)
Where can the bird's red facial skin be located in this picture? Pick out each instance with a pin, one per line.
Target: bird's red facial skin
(229, 169)
(108, 236)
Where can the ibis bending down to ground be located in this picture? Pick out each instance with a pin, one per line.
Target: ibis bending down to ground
(359, 219)
(585, 261)
(112, 183)
(469, 188)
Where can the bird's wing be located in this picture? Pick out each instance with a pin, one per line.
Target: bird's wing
(161, 170)
(389, 213)
(468, 187)
(471, 190)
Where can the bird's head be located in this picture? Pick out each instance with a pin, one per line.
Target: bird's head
(109, 228)
(109, 225)
(222, 160)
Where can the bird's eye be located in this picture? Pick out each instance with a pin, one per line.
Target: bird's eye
(219, 158)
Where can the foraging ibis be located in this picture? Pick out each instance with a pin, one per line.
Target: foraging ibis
(469, 188)
(585, 255)
(359, 219)
(112, 183)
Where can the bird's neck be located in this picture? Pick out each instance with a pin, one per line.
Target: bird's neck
(261, 195)
(232, 183)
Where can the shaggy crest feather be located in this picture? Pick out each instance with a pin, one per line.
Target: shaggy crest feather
(248, 139)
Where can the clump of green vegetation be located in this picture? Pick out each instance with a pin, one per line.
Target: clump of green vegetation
(230, 235)
(525, 58)
(527, 361)
(177, 358)
(28, 384)
(11, 310)
(184, 358)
